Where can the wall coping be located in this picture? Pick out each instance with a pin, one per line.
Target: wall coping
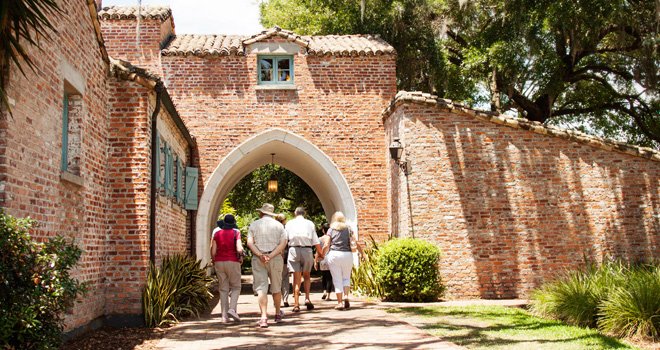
(403, 97)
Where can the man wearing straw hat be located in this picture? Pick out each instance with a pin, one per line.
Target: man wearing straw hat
(266, 239)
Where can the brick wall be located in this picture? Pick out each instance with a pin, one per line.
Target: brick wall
(510, 208)
(128, 186)
(31, 144)
(336, 107)
(129, 180)
(121, 40)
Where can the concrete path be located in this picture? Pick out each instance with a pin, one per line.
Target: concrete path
(364, 326)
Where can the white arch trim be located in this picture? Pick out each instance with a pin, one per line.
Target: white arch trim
(292, 152)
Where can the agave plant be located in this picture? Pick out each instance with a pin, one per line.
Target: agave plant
(22, 21)
(179, 288)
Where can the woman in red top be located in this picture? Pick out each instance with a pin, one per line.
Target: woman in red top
(226, 248)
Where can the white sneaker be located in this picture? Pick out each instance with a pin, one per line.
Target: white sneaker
(232, 313)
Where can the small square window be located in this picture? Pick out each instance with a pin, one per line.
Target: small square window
(275, 69)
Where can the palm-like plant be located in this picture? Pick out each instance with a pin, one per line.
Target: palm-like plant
(21, 22)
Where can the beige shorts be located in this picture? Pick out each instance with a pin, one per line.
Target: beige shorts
(261, 274)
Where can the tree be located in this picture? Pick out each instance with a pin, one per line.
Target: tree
(591, 63)
(587, 64)
(408, 25)
(22, 20)
(250, 193)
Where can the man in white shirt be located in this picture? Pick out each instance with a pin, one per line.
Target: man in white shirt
(266, 239)
(301, 234)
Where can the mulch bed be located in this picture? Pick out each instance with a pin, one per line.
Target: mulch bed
(117, 339)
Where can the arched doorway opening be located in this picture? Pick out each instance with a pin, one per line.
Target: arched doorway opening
(295, 154)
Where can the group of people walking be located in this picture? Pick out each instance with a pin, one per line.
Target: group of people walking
(279, 248)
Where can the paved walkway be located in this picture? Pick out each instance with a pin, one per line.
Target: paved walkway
(364, 326)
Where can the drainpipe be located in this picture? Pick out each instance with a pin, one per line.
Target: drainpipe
(154, 170)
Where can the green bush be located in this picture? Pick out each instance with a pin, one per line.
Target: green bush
(407, 270)
(179, 288)
(617, 298)
(363, 278)
(633, 307)
(35, 286)
(574, 298)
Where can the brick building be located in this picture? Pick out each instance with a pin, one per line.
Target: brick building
(128, 130)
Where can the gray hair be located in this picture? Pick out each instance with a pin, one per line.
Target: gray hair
(299, 211)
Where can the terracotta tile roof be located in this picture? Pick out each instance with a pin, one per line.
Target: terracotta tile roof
(221, 45)
(131, 12)
(520, 123)
(205, 45)
(277, 31)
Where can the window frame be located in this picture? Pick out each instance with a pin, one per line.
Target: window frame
(64, 165)
(275, 69)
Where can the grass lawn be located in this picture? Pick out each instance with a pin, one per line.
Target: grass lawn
(498, 327)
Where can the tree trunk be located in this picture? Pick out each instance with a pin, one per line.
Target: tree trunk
(495, 100)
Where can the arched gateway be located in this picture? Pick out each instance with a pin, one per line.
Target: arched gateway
(293, 153)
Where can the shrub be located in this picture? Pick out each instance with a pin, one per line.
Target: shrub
(619, 299)
(35, 286)
(363, 278)
(180, 287)
(633, 308)
(407, 270)
(574, 298)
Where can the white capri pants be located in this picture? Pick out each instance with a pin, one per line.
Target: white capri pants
(341, 265)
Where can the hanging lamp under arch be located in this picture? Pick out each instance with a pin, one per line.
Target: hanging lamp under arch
(272, 182)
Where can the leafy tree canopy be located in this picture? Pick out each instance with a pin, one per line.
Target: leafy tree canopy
(250, 193)
(592, 65)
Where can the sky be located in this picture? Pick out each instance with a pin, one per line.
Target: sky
(208, 16)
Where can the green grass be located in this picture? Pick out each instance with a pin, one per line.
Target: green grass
(497, 327)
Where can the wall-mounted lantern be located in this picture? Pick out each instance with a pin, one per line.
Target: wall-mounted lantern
(396, 152)
(272, 182)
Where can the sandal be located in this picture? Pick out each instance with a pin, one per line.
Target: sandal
(296, 309)
(309, 305)
(339, 307)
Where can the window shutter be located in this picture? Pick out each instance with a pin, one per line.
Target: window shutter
(179, 181)
(64, 165)
(170, 179)
(191, 188)
(166, 170)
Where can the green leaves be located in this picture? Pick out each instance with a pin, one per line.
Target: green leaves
(250, 193)
(179, 288)
(619, 299)
(35, 285)
(592, 65)
(407, 270)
